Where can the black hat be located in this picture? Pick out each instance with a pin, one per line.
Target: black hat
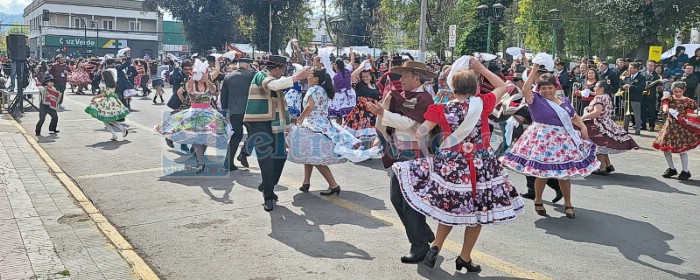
(244, 59)
(48, 78)
(276, 60)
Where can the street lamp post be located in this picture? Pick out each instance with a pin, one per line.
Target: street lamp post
(269, 36)
(337, 25)
(556, 21)
(490, 16)
(84, 38)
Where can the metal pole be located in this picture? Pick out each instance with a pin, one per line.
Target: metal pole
(488, 38)
(269, 37)
(40, 43)
(554, 41)
(97, 40)
(84, 38)
(423, 12)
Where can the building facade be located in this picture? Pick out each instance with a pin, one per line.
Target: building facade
(92, 27)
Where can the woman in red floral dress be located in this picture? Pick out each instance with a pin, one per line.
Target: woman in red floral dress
(360, 122)
(674, 137)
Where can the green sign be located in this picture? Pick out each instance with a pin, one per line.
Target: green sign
(103, 43)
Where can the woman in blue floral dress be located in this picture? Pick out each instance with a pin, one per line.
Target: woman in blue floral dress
(107, 106)
(463, 184)
(318, 141)
(200, 125)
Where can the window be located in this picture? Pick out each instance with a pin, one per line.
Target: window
(134, 26)
(78, 22)
(107, 24)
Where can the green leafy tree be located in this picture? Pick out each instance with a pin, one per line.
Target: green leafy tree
(289, 21)
(475, 38)
(207, 23)
(359, 16)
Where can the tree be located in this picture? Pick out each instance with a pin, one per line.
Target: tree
(212, 23)
(359, 16)
(475, 39)
(207, 23)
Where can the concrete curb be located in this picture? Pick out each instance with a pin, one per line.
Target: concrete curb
(138, 265)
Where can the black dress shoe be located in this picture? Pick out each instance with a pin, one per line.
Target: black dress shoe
(243, 160)
(431, 257)
(269, 205)
(184, 147)
(305, 188)
(38, 133)
(413, 258)
(169, 143)
(260, 188)
(685, 175)
(528, 195)
(669, 173)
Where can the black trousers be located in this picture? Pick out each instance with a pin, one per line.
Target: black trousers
(237, 125)
(43, 111)
(271, 152)
(649, 110)
(552, 183)
(417, 230)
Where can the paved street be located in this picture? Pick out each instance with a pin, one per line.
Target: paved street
(632, 224)
(44, 234)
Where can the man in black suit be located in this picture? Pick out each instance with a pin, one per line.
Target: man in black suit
(605, 73)
(649, 100)
(691, 79)
(234, 97)
(563, 77)
(635, 83)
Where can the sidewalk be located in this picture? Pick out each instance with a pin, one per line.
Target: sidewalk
(44, 233)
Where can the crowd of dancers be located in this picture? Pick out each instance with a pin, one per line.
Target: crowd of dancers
(317, 110)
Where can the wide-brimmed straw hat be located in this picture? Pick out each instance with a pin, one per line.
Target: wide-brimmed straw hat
(414, 66)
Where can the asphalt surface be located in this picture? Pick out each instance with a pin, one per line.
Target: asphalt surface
(633, 224)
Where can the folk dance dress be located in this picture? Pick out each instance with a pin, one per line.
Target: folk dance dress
(551, 147)
(360, 122)
(80, 75)
(108, 108)
(320, 141)
(345, 97)
(609, 137)
(199, 124)
(464, 184)
(674, 137)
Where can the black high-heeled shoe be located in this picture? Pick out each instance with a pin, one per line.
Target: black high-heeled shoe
(331, 191)
(460, 263)
(305, 188)
(572, 215)
(431, 257)
(542, 212)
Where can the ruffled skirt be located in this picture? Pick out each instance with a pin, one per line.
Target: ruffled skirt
(324, 142)
(342, 103)
(360, 122)
(440, 188)
(548, 151)
(609, 137)
(107, 109)
(79, 77)
(203, 126)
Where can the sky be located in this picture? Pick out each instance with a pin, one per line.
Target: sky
(13, 6)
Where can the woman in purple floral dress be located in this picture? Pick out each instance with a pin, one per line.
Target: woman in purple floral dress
(464, 183)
